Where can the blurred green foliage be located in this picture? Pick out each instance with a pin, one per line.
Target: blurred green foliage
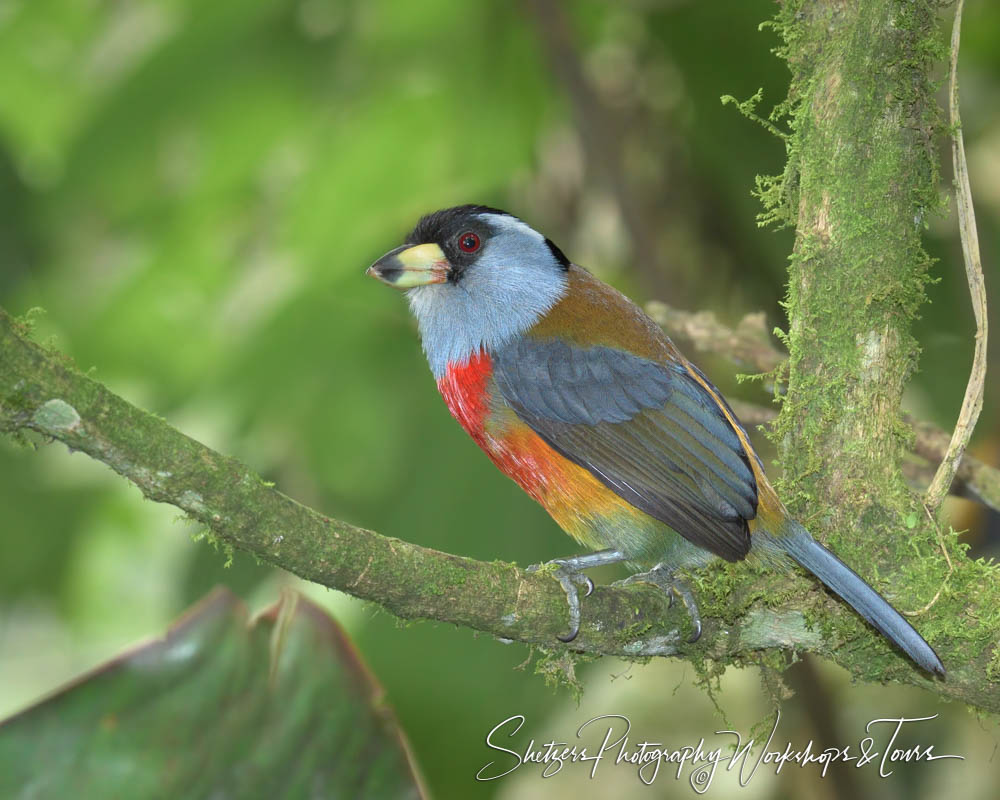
(192, 191)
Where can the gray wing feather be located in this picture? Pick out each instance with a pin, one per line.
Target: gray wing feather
(650, 432)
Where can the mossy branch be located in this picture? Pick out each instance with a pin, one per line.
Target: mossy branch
(746, 614)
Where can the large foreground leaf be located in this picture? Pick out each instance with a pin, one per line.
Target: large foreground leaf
(221, 707)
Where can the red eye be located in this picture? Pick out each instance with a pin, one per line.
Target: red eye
(468, 242)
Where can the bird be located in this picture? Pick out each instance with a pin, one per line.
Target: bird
(579, 397)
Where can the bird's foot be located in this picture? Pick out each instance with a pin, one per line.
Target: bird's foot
(568, 571)
(663, 577)
(570, 579)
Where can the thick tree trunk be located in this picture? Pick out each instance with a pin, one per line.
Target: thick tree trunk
(864, 163)
(862, 178)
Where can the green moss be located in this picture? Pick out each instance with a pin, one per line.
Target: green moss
(637, 630)
(993, 668)
(219, 545)
(748, 108)
(708, 674)
(558, 668)
(25, 323)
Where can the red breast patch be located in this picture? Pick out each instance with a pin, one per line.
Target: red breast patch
(463, 388)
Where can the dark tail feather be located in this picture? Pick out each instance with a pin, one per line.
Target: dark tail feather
(843, 580)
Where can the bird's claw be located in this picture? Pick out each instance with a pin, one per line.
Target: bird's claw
(569, 578)
(662, 577)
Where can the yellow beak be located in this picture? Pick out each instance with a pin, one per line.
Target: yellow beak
(409, 266)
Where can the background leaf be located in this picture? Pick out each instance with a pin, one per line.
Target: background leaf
(281, 706)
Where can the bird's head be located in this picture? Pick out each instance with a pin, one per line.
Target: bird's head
(475, 277)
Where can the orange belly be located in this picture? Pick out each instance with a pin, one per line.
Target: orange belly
(570, 493)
